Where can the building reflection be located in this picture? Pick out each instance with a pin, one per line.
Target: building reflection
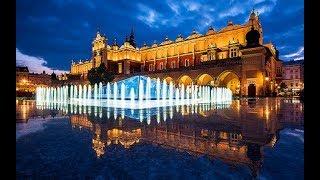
(235, 133)
(29, 109)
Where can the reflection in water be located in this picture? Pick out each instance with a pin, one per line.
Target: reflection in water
(235, 133)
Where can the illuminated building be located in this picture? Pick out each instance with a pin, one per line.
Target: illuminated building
(27, 82)
(235, 57)
(293, 75)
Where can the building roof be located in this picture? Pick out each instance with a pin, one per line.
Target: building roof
(22, 69)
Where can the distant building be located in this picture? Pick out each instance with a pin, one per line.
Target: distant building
(292, 75)
(27, 82)
(62, 77)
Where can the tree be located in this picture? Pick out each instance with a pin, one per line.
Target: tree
(100, 74)
(53, 76)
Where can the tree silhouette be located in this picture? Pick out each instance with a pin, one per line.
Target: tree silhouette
(100, 74)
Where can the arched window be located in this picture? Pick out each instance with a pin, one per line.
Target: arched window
(186, 63)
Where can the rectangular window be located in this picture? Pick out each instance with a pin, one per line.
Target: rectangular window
(233, 52)
(297, 85)
(173, 64)
(161, 66)
(151, 67)
(297, 77)
(187, 62)
(120, 68)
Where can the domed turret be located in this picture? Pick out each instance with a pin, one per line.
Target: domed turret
(230, 23)
(154, 44)
(166, 41)
(252, 37)
(194, 34)
(210, 30)
(179, 38)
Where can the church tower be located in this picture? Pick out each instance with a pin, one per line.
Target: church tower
(98, 54)
(255, 23)
(131, 39)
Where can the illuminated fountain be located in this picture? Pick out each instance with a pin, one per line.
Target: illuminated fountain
(138, 92)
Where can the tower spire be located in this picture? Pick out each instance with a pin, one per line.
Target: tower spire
(131, 38)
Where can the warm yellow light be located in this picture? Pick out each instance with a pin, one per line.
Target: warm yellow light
(24, 81)
(267, 78)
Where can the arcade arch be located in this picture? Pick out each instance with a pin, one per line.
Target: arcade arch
(186, 80)
(230, 80)
(168, 79)
(205, 79)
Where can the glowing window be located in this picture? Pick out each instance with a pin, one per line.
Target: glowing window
(120, 68)
(187, 63)
(151, 67)
(233, 52)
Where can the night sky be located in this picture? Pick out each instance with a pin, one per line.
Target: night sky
(51, 33)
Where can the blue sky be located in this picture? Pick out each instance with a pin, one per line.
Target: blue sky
(51, 33)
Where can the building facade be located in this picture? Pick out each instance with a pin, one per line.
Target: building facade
(293, 75)
(234, 56)
(27, 82)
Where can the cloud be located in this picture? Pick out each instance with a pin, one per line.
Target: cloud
(148, 15)
(206, 21)
(174, 6)
(35, 64)
(191, 6)
(298, 53)
(265, 9)
(258, 1)
(181, 11)
(233, 11)
(298, 58)
(240, 7)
